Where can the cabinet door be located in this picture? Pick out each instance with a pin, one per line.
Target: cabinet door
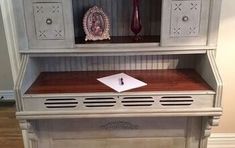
(184, 22)
(49, 24)
(49, 21)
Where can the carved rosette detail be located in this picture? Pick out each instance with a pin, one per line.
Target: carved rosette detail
(119, 125)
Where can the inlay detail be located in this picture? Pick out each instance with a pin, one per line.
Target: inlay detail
(119, 125)
(49, 21)
(185, 18)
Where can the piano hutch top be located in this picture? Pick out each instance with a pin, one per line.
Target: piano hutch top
(61, 104)
(175, 56)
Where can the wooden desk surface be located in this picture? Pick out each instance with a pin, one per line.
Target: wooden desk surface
(86, 82)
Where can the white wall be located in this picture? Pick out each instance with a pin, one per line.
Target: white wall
(226, 63)
(6, 82)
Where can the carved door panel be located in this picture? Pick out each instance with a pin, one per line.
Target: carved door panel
(185, 22)
(185, 18)
(49, 21)
(158, 132)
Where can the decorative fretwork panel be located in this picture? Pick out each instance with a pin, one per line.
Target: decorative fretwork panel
(49, 21)
(185, 18)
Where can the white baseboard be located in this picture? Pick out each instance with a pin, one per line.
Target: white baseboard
(222, 140)
(7, 95)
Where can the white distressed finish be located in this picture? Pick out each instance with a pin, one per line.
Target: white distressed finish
(111, 132)
(59, 34)
(162, 126)
(192, 132)
(185, 18)
(21, 33)
(27, 115)
(217, 140)
(123, 142)
(118, 103)
(219, 88)
(209, 71)
(18, 84)
(118, 128)
(31, 73)
(108, 5)
(117, 50)
(122, 94)
(25, 79)
(214, 19)
(49, 21)
(35, 65)
(188, 25)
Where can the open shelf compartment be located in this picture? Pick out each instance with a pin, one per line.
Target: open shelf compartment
(119, 13)
(69, 83)
(162, 25)
(86, 81)
(78, 74)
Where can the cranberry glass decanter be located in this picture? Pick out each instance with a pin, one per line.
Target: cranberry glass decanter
(135, 22)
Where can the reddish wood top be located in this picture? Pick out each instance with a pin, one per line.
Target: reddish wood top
(85, 82)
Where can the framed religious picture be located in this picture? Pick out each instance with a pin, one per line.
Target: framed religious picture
(96, 24)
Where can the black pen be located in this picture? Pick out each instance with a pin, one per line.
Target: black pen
(121, 80)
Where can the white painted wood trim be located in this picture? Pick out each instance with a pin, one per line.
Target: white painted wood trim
(218, 78)
(18, 84)
(25, 138)
(7, 94)
(214, 19)
(11, 37)
(119, 48)
(31, 96)
(222, 140)
(32, 115)
(77, 54)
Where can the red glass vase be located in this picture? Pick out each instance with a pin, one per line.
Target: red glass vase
(135, 22)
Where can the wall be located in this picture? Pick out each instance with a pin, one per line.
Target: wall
(226, 63)
(6, 82)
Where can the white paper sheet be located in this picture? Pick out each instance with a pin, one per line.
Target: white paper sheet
(115, 82)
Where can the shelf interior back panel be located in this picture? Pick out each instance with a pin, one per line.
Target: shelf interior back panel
(119, 13)
(86, 81)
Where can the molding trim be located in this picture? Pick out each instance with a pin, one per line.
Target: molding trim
(7, 95)
(222, 140)
(11, 36)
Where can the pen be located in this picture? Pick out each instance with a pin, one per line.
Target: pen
(121, 80)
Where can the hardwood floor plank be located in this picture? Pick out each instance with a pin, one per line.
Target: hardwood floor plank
(10, 133)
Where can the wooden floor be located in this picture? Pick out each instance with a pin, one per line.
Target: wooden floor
(10, 134)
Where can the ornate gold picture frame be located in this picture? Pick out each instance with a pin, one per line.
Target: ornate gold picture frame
(96, 24)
